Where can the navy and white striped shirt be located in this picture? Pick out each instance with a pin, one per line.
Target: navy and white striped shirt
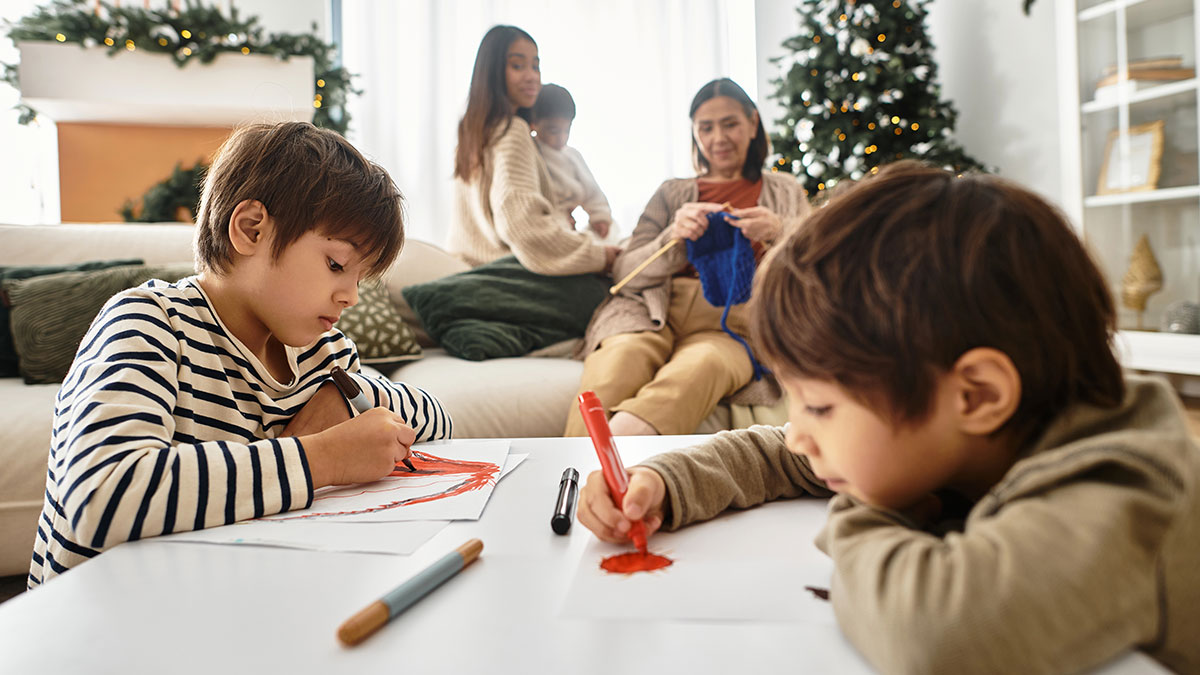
(167, 423)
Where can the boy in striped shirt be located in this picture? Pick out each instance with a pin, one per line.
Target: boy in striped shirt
(208, 401)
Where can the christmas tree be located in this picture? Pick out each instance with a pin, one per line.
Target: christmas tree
(860, 90)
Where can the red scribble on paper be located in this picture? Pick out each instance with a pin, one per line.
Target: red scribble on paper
(635, 561)
(476, 475)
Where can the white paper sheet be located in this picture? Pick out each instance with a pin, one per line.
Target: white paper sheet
(454, 480)
(719, 573)
(399, 538)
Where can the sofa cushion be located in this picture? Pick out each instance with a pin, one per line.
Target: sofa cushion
(499, 398)
(502, 309)
(8, 351)
(377, 330)
(51, 314)
(419, 262)
(24, 449)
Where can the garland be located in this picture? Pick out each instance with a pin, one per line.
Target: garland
(162, 202)
(192, 33)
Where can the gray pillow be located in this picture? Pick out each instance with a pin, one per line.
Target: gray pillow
(50, 314)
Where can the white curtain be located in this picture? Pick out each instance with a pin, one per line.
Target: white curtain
(28, 152)
(632, 67)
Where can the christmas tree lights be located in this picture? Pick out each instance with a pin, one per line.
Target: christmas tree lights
(859, 90)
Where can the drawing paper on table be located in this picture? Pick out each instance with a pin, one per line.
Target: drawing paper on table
(719, 572)
(452, 485)
(398, 538)
(396, 515)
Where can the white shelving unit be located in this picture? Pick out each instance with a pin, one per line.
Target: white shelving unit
(1095, 35)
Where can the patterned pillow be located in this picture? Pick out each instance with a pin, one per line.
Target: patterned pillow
(376, 328)
(51, 314)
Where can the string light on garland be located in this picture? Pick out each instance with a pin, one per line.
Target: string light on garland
(181, 31)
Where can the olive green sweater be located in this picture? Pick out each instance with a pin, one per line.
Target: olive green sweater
(1087, 547)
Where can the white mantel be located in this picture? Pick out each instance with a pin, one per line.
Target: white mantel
(70, 83)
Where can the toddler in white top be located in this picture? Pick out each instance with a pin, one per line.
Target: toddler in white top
(574, 185)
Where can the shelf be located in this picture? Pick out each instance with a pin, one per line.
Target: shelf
(1148, 94)
(1163, 195)
(1140, 12)
(1159, 352)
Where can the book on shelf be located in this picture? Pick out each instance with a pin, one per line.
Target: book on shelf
(1152, 63)
(1150, 74)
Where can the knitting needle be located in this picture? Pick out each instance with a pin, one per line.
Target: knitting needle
(656, 255)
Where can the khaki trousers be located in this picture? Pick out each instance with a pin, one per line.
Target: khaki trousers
(672, 378)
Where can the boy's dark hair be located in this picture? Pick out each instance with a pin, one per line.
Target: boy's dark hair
(893, 279)
(553, 101)
(760, 145)
(308, 179)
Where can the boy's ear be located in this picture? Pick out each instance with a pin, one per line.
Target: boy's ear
(249, 226)
(989, 390)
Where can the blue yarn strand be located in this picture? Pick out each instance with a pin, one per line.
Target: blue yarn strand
(724, 258)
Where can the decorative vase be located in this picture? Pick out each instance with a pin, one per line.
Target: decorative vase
(1143, 278)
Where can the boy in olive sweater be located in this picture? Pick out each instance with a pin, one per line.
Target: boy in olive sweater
(1006, 500)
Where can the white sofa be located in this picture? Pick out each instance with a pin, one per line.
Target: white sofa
(501, 398)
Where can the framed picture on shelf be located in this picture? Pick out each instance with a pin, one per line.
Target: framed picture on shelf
(1140, 169)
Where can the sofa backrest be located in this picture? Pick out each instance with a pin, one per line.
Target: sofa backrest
(172, 242)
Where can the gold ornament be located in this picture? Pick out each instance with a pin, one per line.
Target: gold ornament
(1143, 278)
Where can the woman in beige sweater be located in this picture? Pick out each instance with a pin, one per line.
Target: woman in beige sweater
(503, 196)
(663, 361)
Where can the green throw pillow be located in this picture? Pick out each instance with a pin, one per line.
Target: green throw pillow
(51, 314)
(8, 351)
(376, 328)
(502, 309)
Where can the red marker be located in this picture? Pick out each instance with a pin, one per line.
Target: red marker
(610, 462)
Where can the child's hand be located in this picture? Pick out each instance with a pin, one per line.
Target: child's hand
(360, 450)
(325, 409)
(643, 501)
(600, 227)
(691, 220)
(758, 223)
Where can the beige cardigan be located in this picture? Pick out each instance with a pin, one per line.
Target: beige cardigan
(1087, 547)
(642, 303)
(506, 210)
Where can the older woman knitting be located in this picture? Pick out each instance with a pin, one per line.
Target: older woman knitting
(661, 361)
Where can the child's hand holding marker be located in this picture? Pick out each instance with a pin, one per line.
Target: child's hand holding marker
(359, 450)
(643, 501)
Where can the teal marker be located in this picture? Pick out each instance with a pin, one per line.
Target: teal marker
(368, 620)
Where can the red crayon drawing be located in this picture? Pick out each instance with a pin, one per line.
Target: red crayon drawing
(475, 475)
(635, 561)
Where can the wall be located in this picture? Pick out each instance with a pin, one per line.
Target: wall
(1002, 80)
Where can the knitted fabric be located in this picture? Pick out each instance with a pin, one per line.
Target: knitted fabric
(724, 259)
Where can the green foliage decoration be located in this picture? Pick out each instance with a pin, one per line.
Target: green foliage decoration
(196, 32)
(162, 202)
(859, 89)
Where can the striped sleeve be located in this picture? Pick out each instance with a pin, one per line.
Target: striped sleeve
(420, 410)
(121, 470)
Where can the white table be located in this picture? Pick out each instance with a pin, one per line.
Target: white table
(158, 607)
